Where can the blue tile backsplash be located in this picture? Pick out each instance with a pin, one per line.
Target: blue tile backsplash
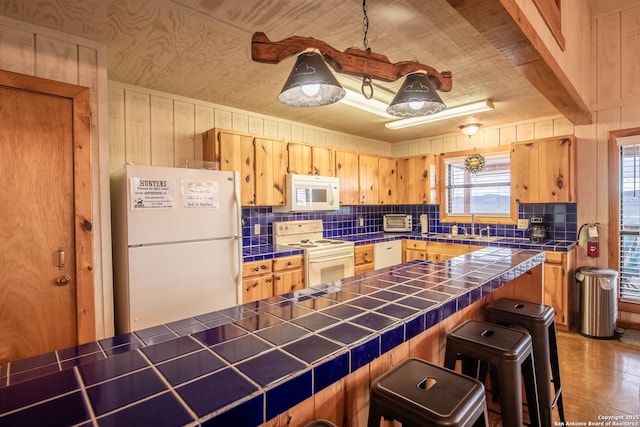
(560, 219)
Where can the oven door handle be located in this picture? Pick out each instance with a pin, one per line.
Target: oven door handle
(335, 258)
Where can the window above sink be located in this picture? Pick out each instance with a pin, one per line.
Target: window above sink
(485, 194)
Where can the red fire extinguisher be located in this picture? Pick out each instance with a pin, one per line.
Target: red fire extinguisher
(593, 242)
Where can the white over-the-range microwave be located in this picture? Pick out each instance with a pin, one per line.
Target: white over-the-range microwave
(310, 193)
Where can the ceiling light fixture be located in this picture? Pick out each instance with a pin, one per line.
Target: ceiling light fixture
(373, 106)
(462, 110)
(310, 83)
(417, 96)
(470, 129)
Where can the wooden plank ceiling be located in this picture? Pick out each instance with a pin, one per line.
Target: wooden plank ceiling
(201, 49)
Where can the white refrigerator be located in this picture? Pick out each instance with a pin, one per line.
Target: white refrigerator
(177, 244)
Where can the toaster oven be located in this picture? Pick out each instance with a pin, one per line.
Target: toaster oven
(394, 223)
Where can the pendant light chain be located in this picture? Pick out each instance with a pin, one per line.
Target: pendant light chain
(365, 25)
(367, 86)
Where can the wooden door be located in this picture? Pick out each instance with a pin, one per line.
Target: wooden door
(347, 173)
(38, 284)
(368, 179)
(257, 288)
(299, 158)
(406, 181)
(322, 159)
(237, 154)
(387, 181)
(555, 181)
(524, 172)
(270, 172)
(431, 175)
(287, 281)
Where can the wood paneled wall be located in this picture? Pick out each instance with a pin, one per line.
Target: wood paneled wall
(503, 135)
(40, 52)
(148, 127)
(615, 103)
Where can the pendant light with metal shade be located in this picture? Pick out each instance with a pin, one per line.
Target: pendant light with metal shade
(416, 97)
(310, 83)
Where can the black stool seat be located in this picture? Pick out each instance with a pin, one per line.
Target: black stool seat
(418, 393)
(539, 320)
(510, 352)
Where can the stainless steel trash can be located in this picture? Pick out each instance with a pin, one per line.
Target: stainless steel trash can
(598, 310)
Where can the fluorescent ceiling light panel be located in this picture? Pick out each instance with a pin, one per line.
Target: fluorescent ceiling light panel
(373, 106)
(449, 113)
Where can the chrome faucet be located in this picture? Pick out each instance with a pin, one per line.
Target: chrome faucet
(473, 224)
(487, 229)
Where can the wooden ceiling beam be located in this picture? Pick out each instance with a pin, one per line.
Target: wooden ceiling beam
(352, 61)
(505, 26)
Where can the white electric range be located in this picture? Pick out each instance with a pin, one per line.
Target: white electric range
(325, 260)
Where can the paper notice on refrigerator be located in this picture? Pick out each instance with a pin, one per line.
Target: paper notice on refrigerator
(149, 194)
(199, 194)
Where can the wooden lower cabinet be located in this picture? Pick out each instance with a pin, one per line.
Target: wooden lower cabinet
(433, 251)
(264, 279)
(558, 280)
(288, 274)
(437, 251)
(414, 249)
(257, 281)
(363, 258)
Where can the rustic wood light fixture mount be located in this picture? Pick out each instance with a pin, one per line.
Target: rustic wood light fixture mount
(356, 62)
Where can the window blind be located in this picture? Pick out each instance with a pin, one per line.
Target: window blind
(630, 222)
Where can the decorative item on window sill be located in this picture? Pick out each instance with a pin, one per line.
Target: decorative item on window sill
(474, 163)
(312, 84)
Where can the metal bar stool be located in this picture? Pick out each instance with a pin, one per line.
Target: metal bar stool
(510, 353)
(538, 319)
(418, 393)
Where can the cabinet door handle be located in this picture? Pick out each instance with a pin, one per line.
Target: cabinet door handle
(61, 258)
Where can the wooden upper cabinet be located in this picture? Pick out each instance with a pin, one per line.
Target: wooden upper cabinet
(262, 163)
(270, 171)
(417, 180)
(322, 161)
(387, 181)
(234, 152)
(368, 165)
(299, 158)
(543, 171)
(347, 172)
(305, 159)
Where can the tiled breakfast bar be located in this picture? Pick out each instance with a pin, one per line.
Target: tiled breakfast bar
(246, 365)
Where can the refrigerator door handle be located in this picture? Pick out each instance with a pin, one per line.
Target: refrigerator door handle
(237, 196)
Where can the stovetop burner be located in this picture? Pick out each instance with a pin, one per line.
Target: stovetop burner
(305, 234)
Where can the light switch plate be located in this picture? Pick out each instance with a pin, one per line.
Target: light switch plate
(523, 224)
(256, 229)
(361, 222)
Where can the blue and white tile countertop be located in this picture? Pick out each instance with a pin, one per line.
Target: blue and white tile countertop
(244, 365)
(268, 251)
